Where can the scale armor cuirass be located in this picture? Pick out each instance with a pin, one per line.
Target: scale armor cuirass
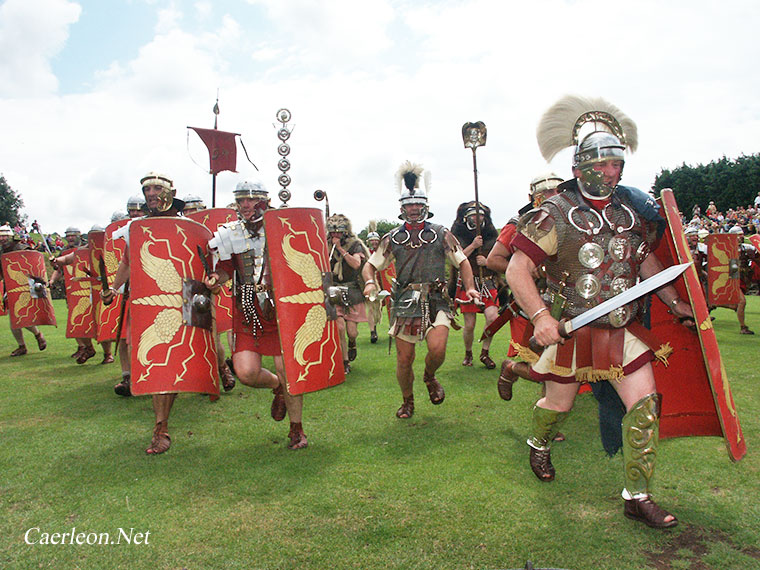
(598, 255)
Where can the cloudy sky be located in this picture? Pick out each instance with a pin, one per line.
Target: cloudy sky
(94, 93)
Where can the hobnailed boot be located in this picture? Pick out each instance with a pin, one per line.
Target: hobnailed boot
(351, 349)
(467, 358)
(485, 358)
(546, 424)
(641, 434)
(746, 330)
(296, 436)
(373, 336)
(435, 390)
(78, 353)
(278, 409)
(123, 387)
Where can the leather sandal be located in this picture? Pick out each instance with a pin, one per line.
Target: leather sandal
(78, 353)
(297, 437)
(278, 409)
(346, 366)
(406, 410)
(507, 377)
(746, 330)
(648, 512)
(41, 342)
(122, 388)
(351, 350)
(86, 354)
(435, 390)
(228, 380)
(485, 358)
(467, 358)
(107, 359)
(20, 351)
(541, 463)
(373, 336)
(161, 440)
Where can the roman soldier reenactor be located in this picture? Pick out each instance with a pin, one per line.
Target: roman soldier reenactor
(593, 238)
(239, 248)
(347, 257)
(476, 242)
(9, 244)
(421, 308)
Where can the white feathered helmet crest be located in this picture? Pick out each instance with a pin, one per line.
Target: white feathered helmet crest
(408, 178)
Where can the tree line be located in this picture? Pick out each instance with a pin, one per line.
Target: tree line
(727, 182)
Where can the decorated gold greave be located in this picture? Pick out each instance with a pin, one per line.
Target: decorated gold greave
(640, 436)
(546, 424)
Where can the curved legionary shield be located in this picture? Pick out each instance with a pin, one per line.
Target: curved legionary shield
(173, 348)
(755, 240)
(96, 245)
(28, 300)
(212, 218)
(81, 320)
(723, 274)
(3, 307)
(297, 249)
(113, 251)
(697, 398)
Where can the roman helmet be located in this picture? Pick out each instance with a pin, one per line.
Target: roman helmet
(408, 185)
(118, 215)
(6, 230)
(135, 206)
(372, 231)
(599, 131)
(255, 191)
(193, 203)
(468, 211)
(542, 185)
(73, 236)
(166, 197)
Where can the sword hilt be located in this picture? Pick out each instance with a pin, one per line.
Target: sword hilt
(563, 328)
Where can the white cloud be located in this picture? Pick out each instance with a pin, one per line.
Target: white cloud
(31, 33)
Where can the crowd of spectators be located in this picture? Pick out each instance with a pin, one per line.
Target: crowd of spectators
(27, 236)
(746, 218)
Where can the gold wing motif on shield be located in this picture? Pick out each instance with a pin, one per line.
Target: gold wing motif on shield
(169, 320)
(311, 330)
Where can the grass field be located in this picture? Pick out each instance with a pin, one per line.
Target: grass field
(450, 488)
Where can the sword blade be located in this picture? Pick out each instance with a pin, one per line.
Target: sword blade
(654, 282)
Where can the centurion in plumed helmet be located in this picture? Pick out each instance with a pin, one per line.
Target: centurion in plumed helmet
(410, 190)
(599, 131)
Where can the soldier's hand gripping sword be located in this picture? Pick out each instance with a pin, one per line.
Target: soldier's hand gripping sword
(566, 328)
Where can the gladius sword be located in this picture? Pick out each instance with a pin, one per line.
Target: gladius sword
(566, 328)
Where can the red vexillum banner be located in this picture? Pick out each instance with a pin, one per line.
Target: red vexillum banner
(222, 149)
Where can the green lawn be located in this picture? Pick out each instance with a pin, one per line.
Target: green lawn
(450, 488)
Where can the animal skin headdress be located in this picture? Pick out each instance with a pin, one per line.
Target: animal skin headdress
(573, 118)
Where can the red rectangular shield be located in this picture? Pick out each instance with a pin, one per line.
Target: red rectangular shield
(21, 271)
(81, 319)
(723, 275)
(697, 398)
(212, 218)
(113, 251)
(170, 351)
(297, 250)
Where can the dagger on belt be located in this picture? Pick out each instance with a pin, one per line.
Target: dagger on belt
(566, 327)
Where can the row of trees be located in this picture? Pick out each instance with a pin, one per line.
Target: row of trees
(727, 182)
(10, 204)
